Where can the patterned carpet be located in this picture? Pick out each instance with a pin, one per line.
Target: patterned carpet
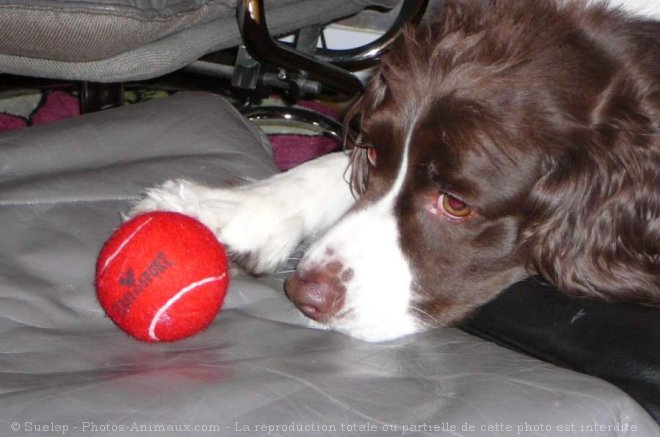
(292, 143)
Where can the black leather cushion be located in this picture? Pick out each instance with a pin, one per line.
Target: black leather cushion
(616, 342)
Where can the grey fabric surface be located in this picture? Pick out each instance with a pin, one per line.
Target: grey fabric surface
(132, 40)
(64, 365)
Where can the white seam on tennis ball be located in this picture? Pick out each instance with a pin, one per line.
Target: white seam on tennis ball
(175, 298)
(124, 243)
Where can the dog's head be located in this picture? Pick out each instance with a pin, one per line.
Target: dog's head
(496, 140)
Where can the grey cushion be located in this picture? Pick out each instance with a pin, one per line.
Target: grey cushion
(117, 40)
(63, 363)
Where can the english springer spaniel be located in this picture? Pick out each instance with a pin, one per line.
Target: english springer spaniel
(501, 138)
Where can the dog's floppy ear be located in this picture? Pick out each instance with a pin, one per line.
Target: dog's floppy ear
(593, 221)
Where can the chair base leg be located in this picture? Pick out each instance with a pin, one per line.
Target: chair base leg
(96, 96)
(327, 125)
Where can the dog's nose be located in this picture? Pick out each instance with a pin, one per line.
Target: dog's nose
(318, 293)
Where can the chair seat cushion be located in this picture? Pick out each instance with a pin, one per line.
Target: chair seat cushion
(100, 39)
(97, 29)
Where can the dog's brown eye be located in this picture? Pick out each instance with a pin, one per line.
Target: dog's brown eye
(372, 155)
(454, 207)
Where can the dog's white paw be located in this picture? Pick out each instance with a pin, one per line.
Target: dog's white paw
(262, 223)
(176, 195)
(251, 220)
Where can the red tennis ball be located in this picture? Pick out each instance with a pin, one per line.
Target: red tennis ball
(162, 276)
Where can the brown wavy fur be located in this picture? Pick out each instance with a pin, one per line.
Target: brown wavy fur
(591, 220)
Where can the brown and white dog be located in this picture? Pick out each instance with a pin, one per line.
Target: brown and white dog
(502, 138)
